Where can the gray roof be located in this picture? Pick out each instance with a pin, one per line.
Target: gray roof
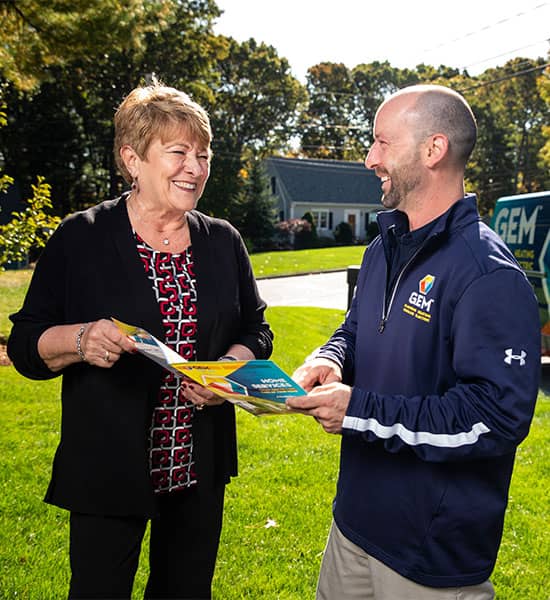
(330, 181)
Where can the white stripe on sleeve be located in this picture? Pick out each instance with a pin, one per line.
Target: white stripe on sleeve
(414, 438)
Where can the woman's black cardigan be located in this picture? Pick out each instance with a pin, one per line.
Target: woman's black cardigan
(90, 269)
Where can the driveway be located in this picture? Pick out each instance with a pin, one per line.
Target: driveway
(325, 290)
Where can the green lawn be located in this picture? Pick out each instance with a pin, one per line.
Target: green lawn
(278, 509)
(269, 264)
(13, 285)
(265, 264)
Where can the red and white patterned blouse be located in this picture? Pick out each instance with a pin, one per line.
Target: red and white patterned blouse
(171, 440)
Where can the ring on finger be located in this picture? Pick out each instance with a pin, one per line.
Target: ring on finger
(199, 406)
(107, 356)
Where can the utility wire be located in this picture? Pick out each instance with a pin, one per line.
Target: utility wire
(486, 27)
(481, 84)
(505, 78)
(479, 62)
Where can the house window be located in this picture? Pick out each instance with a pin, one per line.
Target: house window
(321, 219)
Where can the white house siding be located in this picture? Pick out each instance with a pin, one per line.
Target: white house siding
(339, 215)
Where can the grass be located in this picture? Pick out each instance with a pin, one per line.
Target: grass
(292, 262)
(278, 509)
(13, 285)
(287, 478)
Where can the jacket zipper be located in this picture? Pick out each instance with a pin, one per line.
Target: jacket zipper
(386, 309)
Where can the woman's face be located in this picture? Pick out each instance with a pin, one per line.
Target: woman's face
(174, 172)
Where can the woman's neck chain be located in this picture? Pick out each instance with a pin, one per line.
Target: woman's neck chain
(161, 232)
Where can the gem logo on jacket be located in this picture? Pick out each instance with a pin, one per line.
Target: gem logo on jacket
(418, 305)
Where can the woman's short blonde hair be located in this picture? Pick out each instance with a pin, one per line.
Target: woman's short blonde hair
(153, 112)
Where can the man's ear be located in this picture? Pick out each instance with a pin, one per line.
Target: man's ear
(437, 148)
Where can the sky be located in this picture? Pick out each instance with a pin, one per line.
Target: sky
(471, 34)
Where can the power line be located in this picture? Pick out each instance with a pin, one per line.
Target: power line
(478, 62)
(482, 84)
(486, 27)
(505, 78)
(363, 128)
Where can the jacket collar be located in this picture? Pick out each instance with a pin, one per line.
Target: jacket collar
(461, 213)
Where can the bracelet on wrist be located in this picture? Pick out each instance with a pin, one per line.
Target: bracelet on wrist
(79, 350)
(227, 357)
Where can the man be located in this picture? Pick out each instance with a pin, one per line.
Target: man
(432, 378)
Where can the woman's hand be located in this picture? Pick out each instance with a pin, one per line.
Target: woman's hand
(202, 397)
(99, 343)
(102, 343)
(199, 395)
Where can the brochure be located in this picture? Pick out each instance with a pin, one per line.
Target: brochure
(258, 386)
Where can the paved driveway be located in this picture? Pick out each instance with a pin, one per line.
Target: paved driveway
(325, 290)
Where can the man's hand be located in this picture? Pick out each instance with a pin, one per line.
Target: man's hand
(318, 371)
(327, 404)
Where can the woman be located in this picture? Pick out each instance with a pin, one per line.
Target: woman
(138, 443)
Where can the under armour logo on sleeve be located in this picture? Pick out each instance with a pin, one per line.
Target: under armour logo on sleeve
(510, 356)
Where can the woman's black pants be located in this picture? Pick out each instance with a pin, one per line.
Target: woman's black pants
(104, 551)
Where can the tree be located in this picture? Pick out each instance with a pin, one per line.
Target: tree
(37, 35)
(338, 122)
(65, 129)
(5, 180)
(511, 115)
(44, 135)
(254, 113)
(543, 84)
(373, 82)
(326, 122)
(29, 229)
(254, 212)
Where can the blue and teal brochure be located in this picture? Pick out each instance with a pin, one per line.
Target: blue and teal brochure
(260, 387)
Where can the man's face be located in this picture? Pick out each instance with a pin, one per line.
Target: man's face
(395, 153)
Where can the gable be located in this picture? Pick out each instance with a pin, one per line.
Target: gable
(323, 181)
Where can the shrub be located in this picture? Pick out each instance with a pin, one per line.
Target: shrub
(293, 233)
(307, 236)
(343, 233)
(28, 229)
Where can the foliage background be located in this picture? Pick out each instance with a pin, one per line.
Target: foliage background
(65, 67)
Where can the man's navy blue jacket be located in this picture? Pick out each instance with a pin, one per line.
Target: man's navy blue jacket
(445, 380)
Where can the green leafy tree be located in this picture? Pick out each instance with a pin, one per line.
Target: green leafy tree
(511, 115)
(29, 229)
(373, 83)
(338, 122)
(5, 180)
(254, 212)
(543, 84)
(326, 122)
(44, 134)
(254, 114)
(525, 114)
(66, 129)
(37, 35)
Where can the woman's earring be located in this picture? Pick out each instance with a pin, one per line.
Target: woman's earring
(135, 185)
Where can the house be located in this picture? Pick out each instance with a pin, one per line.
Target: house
(333, 191)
